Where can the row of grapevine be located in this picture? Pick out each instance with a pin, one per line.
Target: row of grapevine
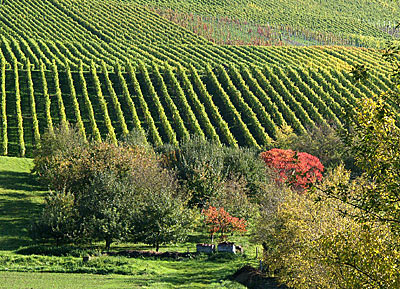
(254, 103)
(115, 101)
(19, 112)
(75, 104)
(176, 119)
(190, 119)
(3, 107)
(88, 104)
(170, 135)
(128, 100)
(71, 53)
(198, 107)
(103, 104)
(35, 122)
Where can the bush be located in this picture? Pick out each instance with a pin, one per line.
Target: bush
(57, 155)
(199, 166)
(58, 220)
(161, 217)
(245, 165)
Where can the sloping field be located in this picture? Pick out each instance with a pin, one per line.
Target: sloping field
(114, 32)
(113, 66)
(233, 104)
(358, 17)
(305, 22)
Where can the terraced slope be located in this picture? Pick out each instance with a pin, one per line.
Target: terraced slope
(233, 104)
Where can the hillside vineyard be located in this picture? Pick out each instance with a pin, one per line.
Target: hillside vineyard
(110, 67)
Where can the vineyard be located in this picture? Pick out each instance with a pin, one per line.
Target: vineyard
(306, 22)
(110, 66)
(233, 104)
(69, 32)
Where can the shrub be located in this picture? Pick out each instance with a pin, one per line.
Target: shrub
(299, 170)
(199, 167)
(325, 143)
(161, 217)
(58, 219)
(245, 165)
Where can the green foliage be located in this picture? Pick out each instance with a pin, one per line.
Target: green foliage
(153, 132)
(374, 143)
(114, 98)
(205, 169)
(251, 108)
(199, 165)
(95, 130)
(170, 135)
(47, 101)
(237, 22)
(103, 104)
(233, 197)
(106, 208)
(60, 102)
(114, 192)
(35, 122)
(323, 142)
(58, 220)
(161, 216)
(135, 119)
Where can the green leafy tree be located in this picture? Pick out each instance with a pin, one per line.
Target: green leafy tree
(161, 217)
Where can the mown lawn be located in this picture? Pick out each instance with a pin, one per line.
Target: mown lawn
(21, 198)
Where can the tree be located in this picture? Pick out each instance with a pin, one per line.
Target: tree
(161, 217)
(106, 208)
(298, 169)
(220, 221)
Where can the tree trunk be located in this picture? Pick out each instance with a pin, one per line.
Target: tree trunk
(157, 246)
(108, 244)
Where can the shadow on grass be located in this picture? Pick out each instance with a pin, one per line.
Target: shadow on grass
(18, 206)
(18, 181)
(192, 276)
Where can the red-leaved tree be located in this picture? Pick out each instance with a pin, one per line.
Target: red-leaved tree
(220, 221)
(299, 170)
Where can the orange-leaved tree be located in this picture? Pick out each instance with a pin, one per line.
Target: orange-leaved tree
(220, 221)
(298, 169)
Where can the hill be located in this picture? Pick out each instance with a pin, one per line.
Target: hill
(305, 22)
(231, 103)
(111, 66)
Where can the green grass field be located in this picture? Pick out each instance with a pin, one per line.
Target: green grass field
(20, 200)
